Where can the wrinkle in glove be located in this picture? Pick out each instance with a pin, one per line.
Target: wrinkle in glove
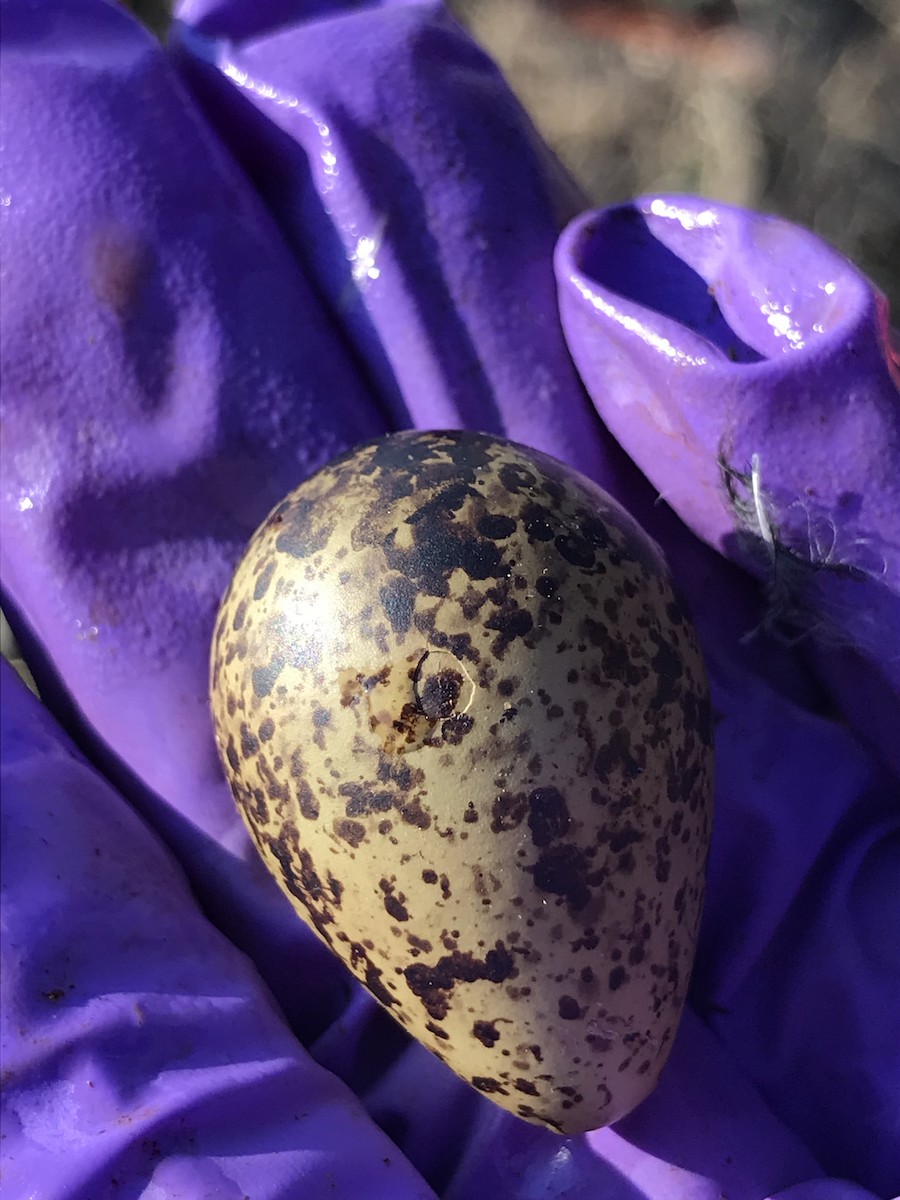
(413, 186)
(142, 1054)
(168, 374)
(749, 370)
(268, 411)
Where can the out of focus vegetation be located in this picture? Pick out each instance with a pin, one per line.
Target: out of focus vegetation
(789, 106)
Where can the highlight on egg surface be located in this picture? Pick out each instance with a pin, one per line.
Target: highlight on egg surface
(467, 722)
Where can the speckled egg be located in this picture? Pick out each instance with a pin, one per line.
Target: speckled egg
(467, 722)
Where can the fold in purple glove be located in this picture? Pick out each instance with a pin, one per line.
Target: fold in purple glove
(224, 264)
(145, 1050)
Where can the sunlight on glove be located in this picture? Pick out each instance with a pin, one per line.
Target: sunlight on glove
(226, 261)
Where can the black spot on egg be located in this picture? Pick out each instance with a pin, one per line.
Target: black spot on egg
(564, 870)
(263, 580)
(485, 1083)
(617, 977)
(264, 677)
(439, 693)
(569, 1009)
(496, 526)
(516, 478)
(301, 531)
(486, 1033)
(231, 755)
(508, 811)
(352, 832)
(398, 596)
(434, 985)
(249, 742)
(548, 815)
(237, 621)
(575, 550)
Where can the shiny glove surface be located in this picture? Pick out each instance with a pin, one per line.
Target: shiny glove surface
(224, 263)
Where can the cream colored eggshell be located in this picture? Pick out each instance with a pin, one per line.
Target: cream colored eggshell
(468, 725)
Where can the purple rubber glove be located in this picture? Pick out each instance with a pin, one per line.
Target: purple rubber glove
(748, 370)
(135, 464)
(202, 379)
(153, 1056)
(143, 1049)
(429, 244)
(714, 344)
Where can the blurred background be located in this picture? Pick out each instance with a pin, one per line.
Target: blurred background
(787, 106)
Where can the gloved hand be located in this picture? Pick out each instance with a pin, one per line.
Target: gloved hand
(225, 263)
